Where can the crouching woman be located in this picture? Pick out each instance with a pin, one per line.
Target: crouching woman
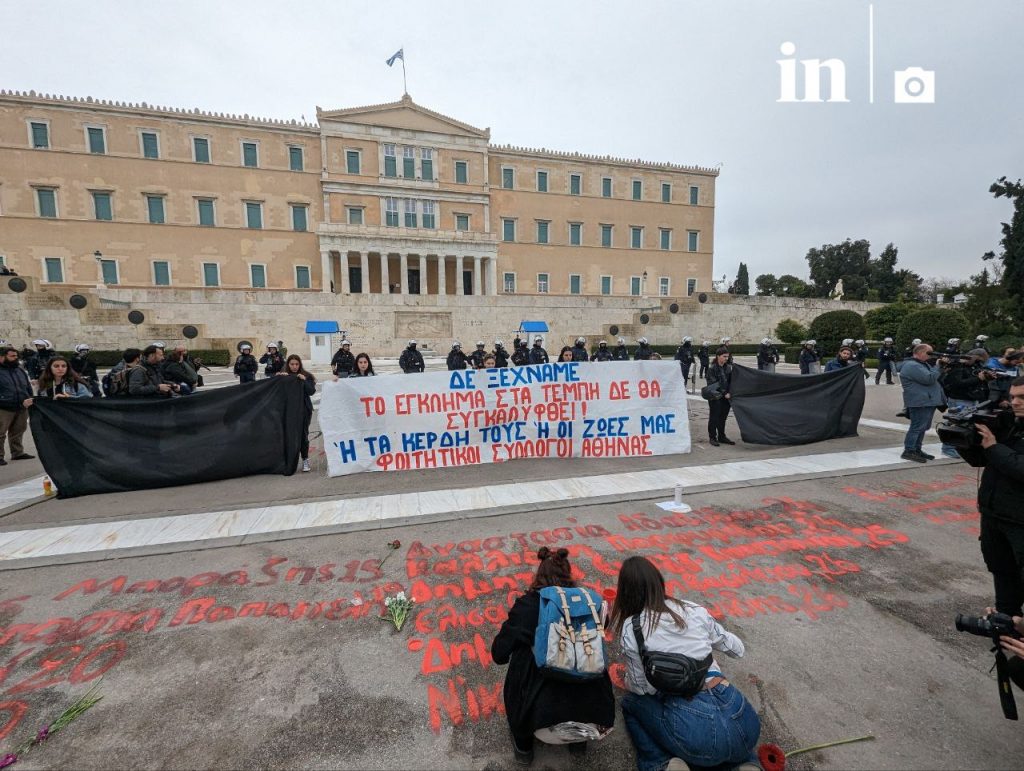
(533, 702)
(716, 726)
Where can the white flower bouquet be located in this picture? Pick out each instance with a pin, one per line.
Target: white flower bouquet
(396, 609)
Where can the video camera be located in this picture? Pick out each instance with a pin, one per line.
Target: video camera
(958, 426)
(994, 626)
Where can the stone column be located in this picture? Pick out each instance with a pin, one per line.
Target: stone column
(460, 288)
(403, 261)
(476, 275)
(385, 279)
(325, 270)
(442, 279)
(342, 286)
(364, 270)
(492, 276)
(423, 274)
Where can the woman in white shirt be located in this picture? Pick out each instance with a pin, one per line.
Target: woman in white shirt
(717, 726)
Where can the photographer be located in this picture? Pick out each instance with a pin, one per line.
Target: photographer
(922, 394)
(1001, 503)
(1002, 370)
(966, 382)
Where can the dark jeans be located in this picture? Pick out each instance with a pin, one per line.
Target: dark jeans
(304, 447)
(715, 727)
(920, 422)
(886, 367)
(719, 411)
(1002, 546)
(247, 377)
(703, 370)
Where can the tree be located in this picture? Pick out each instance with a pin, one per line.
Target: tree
(791, 286)
(1012, 243)
(832, 327)
(766, 284)
(742, 283)
(885, 321)
(791, 331)
(989, 309)
(933, 326)
(863, 278)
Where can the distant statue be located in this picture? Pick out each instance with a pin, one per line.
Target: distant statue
(837, 292)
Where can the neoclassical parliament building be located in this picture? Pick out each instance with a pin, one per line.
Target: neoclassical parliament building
(387, 198)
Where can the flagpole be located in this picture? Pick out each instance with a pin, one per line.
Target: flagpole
(405, 86)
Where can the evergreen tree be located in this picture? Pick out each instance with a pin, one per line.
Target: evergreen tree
(742, 283)
(1012, 243)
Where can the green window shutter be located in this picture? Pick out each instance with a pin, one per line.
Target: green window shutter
(299, 220)
(101, 204)
(391, 219)
(574, 184)
(250, 156)
(606, 235)
(542, 181)
(692, 241)
(666, 239)
(202, 149)
(109, 268)
(161, 274)
(427, 167)
(666, 193)
(295, 160)
(606, 284)
(352, 161)
(636, 236)
(47, 203)
(542, 232)
(634, 286)
(96, 143)
(253, 215)
(575, 234)
(638, 189)
(258, 274)
(694, 193)
(606, 187)
(54, 270)
(206, 213)
(155, 205)
(508, 230)
(40, 136)
(211, 274)
(409, 168)
(462, 222)
(150, 145)
(507, 178)
(461, 172)
(574, 284)
(302, 277)
(390, 166)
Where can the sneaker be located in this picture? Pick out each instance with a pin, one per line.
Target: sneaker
(677, 764)
(725, 440)
(305, 465)
(911, 455)
(926, 455)
(3, 462)
(713, 442)
(951, 453)
(22, 456)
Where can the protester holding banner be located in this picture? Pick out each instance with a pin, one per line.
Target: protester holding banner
(60, 381)
(177, 369)
(842, 360)
(293, 367)
(363, 366)
(720, 380)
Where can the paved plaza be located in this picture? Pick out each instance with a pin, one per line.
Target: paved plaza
(235, 623)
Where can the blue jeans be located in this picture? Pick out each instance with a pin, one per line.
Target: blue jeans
(920, 422)
(716, 727)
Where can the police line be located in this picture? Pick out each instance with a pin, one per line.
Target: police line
(469, 417)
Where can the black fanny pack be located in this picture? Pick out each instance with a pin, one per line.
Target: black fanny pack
(673, 674)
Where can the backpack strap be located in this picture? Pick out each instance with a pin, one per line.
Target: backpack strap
(593, 611)
(565, 612)
(639, 635)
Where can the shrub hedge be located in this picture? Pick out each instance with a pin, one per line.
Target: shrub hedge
(832, 327)
(934, 326)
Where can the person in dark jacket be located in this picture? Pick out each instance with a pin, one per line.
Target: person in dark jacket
(908, 352)
(952, 346)
(767, 355)
(684, 355)
(86, 368)
(37, 364)
(810, 359)
(643, 352)
(60, 381)
(146, 380)
(500, 354)
(245, 365)
(537, 354)
(532, 701)
(621, 352)
(456, 358)
(860, 355)
(965, 381)
(886, 359)
(720, 372)
(842, 360)
(293, 368)
(411, 360)
(15, 399)
(981, 341)
(343, 362)
(602, 353)
(704, 356)
(520, 354)
(177, 369)
(477, 357)
(273, 360)
(579, 351)
(999, 501)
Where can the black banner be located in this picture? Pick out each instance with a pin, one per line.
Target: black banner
(111, 445)
(772, 408)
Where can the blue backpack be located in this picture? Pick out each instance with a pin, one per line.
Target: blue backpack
(569, 642)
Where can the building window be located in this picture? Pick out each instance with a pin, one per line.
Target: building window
(250, 155)
(694, 195)
(638, 190)
(462, 222)
(636, 238)
(426, 164)
(691, 238)
(663, 286)
(102, 207)
(606, 187)
(606, 235)
(635, 285)
(666, 238)
(542, 283)
(211, 274)
(54, 270)
(575, 184)
(409, 162)
(302, 277)
(508, 178)
(508, 230)
(150, 145)
(40, 135)
(542, 181)
(108, 268)
(300, 217)
(461, 172)
(542, 231)
(201, 149)
(575, 283)
(691, 286)
(296, 158)
(429, 215)
(207, 214)
(258, 276)
(162, 273)
(410, 213)
(390, 161)
(355, 215)
(575, 233)
(606, 284)
(352, 161)
(97, 140)
(155, 209)
(254, 215)
(666, 192)
(46, 198)
(391, 212)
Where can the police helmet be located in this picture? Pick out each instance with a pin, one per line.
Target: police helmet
(858, 342)
(39, 343)
(345, 343)
(82, 348)
(602, 344)
(245, 347)
(271, 345)
(981, 338)
(581, 340)
(847, 341)
(412, 343)
(537, 339)
(499, 344)
(621, 341)
(687, 340)
(766, 341)
(887, 340)
(642, 340)
(456, 344)
(916, 341)
(706, 342)
(812, 342)
(725, 340)
(480, 344)
(158, 344)
(953, 341)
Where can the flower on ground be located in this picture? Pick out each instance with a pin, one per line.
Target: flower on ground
(396, 544)
(771, 757)
(43, 734)
(396, 609)
(8, 760)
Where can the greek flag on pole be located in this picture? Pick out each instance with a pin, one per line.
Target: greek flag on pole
(396, 55)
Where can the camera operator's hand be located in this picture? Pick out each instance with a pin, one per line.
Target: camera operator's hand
(988, 439)
(164, 388)
(1011, 645)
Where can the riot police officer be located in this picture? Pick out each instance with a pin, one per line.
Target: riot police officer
(579, 351)
(456, 358)
(500, 354)
(810, 359)
(477, 357)
(537, 354)
(644, 352)
(343, 362)
(952, 347)
(703, 354)
(860, 353)
(520, 356)
(621, 352)
(411, 359)
(886, 358)
(602, 353)
(684, 355)
(767, 355)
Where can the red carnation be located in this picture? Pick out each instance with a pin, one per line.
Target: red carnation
(771, 757)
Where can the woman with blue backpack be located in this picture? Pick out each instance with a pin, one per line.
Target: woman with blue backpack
(557, 687)
(680, 709)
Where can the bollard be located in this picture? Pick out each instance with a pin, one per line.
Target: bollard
(678, 495)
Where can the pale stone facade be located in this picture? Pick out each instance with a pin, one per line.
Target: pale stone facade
(387, 199)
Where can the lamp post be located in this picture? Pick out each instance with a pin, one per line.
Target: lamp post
(643, 284)
(98, 255)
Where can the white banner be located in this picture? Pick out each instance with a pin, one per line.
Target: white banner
(468, 417)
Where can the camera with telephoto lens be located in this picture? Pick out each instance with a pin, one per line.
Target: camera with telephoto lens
(993, 626)
(958, 428)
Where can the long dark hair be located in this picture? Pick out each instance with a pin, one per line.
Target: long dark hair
(369, 364)
(641, 587)
(564, 349)
(302, 370)
(46, 378)
(554, 569)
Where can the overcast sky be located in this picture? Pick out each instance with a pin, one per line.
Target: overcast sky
(687, 81)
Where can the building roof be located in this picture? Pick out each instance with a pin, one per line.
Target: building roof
(404, 104)
(607, 159)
